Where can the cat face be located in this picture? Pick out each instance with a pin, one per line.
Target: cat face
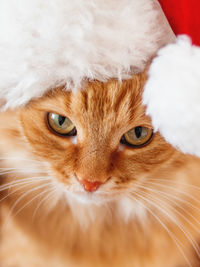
(90, 160)
(105, 148)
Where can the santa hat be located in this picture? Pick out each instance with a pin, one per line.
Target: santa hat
(172, 92)
(44, 44)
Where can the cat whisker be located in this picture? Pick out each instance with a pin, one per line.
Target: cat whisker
(30, 201)
(23, 181)
(176, 183)
(15, 180)
(24, 159)
(14, 168)
(20, 198)
(175, 189)
(180, 214)
(169, 196)
(56, 200)
(170, 233)
(180, 226)
(20, 172)
(21, 186)
(51, 193)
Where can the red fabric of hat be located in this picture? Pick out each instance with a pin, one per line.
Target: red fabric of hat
(184, 17)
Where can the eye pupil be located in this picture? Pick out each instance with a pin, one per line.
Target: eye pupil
(61, 120)
(138, 131)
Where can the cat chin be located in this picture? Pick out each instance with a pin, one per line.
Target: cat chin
(88, 198)
(124, 206)
(86, 208)
(91, 204)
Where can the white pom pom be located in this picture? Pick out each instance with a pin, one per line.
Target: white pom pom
(172, 95)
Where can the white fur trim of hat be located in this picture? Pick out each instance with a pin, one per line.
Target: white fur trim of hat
(44, 44)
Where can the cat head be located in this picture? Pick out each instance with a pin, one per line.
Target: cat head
(96, 146)
(98, 141)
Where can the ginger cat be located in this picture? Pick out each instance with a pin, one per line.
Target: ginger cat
(86, 182)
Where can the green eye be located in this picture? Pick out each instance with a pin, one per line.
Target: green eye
(137, 137)
(61, 125)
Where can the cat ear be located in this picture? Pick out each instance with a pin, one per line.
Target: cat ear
(172, 92)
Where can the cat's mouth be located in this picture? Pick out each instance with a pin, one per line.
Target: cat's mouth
(74, 190)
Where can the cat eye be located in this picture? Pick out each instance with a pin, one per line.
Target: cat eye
(137, 137)
(61, 125)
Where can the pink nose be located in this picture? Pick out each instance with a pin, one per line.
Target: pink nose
(90, 186)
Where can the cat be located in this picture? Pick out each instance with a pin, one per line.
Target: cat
(85, 181)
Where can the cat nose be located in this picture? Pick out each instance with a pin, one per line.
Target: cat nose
(90, 186)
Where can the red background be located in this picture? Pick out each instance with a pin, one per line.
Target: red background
(184, 17)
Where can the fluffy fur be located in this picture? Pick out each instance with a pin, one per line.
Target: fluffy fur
(47, 43)
(146, 214)
(172, 94)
